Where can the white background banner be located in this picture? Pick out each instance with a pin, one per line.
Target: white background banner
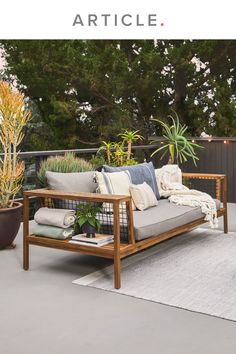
(106, 19)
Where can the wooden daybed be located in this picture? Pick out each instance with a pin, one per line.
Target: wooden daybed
(119, 249)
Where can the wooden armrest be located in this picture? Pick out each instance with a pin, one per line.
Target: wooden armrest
(92, 197)
(203, 175)
(220, 179)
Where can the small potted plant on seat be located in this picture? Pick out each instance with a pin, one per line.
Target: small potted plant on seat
(14, 115)
(86, 219)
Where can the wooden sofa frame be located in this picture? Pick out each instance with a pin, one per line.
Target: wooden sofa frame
(117, 250)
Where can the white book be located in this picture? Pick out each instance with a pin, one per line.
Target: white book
(98, 239)
(90, 244)
(94, 242)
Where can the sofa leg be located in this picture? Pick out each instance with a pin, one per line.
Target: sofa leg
(117, 277)
(116, 210)
(25, 232)
(225, 195)
(225, 222)
(26, 255)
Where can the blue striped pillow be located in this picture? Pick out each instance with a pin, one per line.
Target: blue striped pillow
(140, 173)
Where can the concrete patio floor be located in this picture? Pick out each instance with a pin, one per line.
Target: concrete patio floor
(42, 312)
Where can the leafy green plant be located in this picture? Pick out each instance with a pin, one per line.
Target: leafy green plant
(97, 160)
(130, 162)
(67, 163)
(87, 214)
(180, 149)
(14, 115)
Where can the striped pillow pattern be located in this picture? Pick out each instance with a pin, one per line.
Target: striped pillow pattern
(143, 196)
(113, 183)
(140, 173)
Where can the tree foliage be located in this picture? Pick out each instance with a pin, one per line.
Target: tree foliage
(88, 91)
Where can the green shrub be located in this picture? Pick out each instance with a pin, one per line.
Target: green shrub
(98, 161)
(67, 163)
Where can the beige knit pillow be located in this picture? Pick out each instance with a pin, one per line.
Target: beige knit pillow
(114, 183)
(143, 196)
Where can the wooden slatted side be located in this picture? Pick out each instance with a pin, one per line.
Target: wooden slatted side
(106, 251)
(217, 157)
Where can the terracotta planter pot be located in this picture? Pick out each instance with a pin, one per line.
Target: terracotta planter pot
(10, 219)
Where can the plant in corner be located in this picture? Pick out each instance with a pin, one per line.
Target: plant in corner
(86, 219)
(180, 149)
(14, 115)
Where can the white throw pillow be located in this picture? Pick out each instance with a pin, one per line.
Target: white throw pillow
(113, 183)
(143, 196)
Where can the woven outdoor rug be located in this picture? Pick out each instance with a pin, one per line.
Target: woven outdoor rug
(195, 271)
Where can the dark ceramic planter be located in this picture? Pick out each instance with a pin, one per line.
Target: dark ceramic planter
(10, 219)
(89, 230)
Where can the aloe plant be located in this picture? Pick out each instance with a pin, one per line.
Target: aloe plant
(118, 153)
(178, 146)
(107, 147)
(129, 137)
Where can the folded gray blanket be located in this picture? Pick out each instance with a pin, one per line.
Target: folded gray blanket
(63, 218)
(50, 231)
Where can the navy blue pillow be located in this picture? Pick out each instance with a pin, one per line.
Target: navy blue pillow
(143, 172)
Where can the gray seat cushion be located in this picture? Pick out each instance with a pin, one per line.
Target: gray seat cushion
(72, 182)
(154, 221)
(164, 217)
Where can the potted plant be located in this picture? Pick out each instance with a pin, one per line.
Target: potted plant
(86, 219)
(13, 118)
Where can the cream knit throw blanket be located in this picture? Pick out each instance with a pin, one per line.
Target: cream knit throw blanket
(63, 218)
(169, 181)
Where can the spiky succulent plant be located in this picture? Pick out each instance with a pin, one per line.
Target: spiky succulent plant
(178, 146)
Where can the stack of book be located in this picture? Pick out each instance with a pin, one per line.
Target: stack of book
(97, 241)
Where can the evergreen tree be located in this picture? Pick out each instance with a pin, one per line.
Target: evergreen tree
(88, 91)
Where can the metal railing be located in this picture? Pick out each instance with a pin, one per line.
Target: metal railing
(33, 159)
(219, 156)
